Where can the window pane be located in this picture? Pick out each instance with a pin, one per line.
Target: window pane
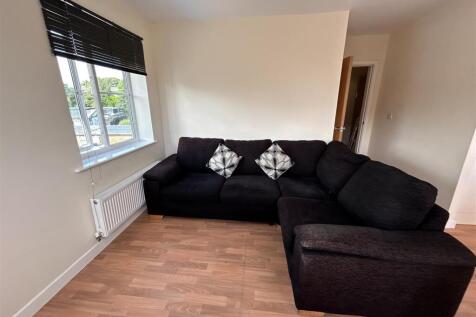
(90, 106)
(79, 129)
(78, 125)
(85, 82)
(118, 118)
(95, 126)
(66, 75)
(109, 80)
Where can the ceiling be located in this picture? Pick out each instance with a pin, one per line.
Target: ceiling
(367, 16)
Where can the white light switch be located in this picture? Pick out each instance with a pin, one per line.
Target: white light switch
(389, 116)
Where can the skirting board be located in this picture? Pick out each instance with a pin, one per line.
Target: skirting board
(465, 217)
(43, 297)
(450, 224)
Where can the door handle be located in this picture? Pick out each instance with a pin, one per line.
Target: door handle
(341, 129)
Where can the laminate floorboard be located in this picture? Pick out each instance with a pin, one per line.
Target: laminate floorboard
(183, 267)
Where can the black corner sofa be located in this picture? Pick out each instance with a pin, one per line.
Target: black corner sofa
(360, 237)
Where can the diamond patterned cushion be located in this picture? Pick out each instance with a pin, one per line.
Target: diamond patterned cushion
(224, 161)
(274, 161)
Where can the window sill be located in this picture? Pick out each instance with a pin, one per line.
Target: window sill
(98, 159)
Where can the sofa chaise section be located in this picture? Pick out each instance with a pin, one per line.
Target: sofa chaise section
(374, 272)
(377, 250)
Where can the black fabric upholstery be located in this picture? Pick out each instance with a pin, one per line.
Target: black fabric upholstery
(151, 193)
(164, 172)
(386, 197)
(250, 190)
(337, 165)
(304, 154)
(193, 154)
(191, 151)
(422, 247)
(293, 212)
(214, 210)
(250, 151)
(355, 285)
(435, 220)
(306, 187)
(195, 187)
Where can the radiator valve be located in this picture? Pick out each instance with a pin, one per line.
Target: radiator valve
(99, 236)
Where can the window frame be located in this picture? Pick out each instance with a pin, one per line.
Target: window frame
(90, 149)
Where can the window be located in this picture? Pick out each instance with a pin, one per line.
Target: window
(104, 76)
(101, 105)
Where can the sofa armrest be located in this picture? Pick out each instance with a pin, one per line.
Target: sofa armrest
(416, 246)
(435, 220)
(164, 172)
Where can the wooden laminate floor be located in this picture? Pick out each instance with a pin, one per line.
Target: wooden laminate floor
(179, 267)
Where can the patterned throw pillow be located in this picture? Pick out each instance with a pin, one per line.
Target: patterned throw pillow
(274, 161)
(224, 161)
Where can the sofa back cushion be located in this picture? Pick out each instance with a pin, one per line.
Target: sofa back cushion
(385, 197)
(337, 165)
(304, 154)
(193, 154)
(250, 151)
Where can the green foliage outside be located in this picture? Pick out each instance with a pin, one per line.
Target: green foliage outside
(70, 96)
(106, 85)
(125, 122)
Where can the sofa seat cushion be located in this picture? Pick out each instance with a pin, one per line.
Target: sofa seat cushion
(385, 197)
(337, 165)
(422, 247)
(250, 190)
(305, 187)
(250, 151)
(305, 155)
(293, 212)
(199, 187)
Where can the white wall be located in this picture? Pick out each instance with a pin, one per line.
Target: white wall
(261, 77)
(368, 50)
(46, 223)
(430, 88)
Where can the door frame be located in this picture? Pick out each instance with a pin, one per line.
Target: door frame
(366, 119)
(342, 98)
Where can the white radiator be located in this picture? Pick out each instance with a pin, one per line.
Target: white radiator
(115, 205)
